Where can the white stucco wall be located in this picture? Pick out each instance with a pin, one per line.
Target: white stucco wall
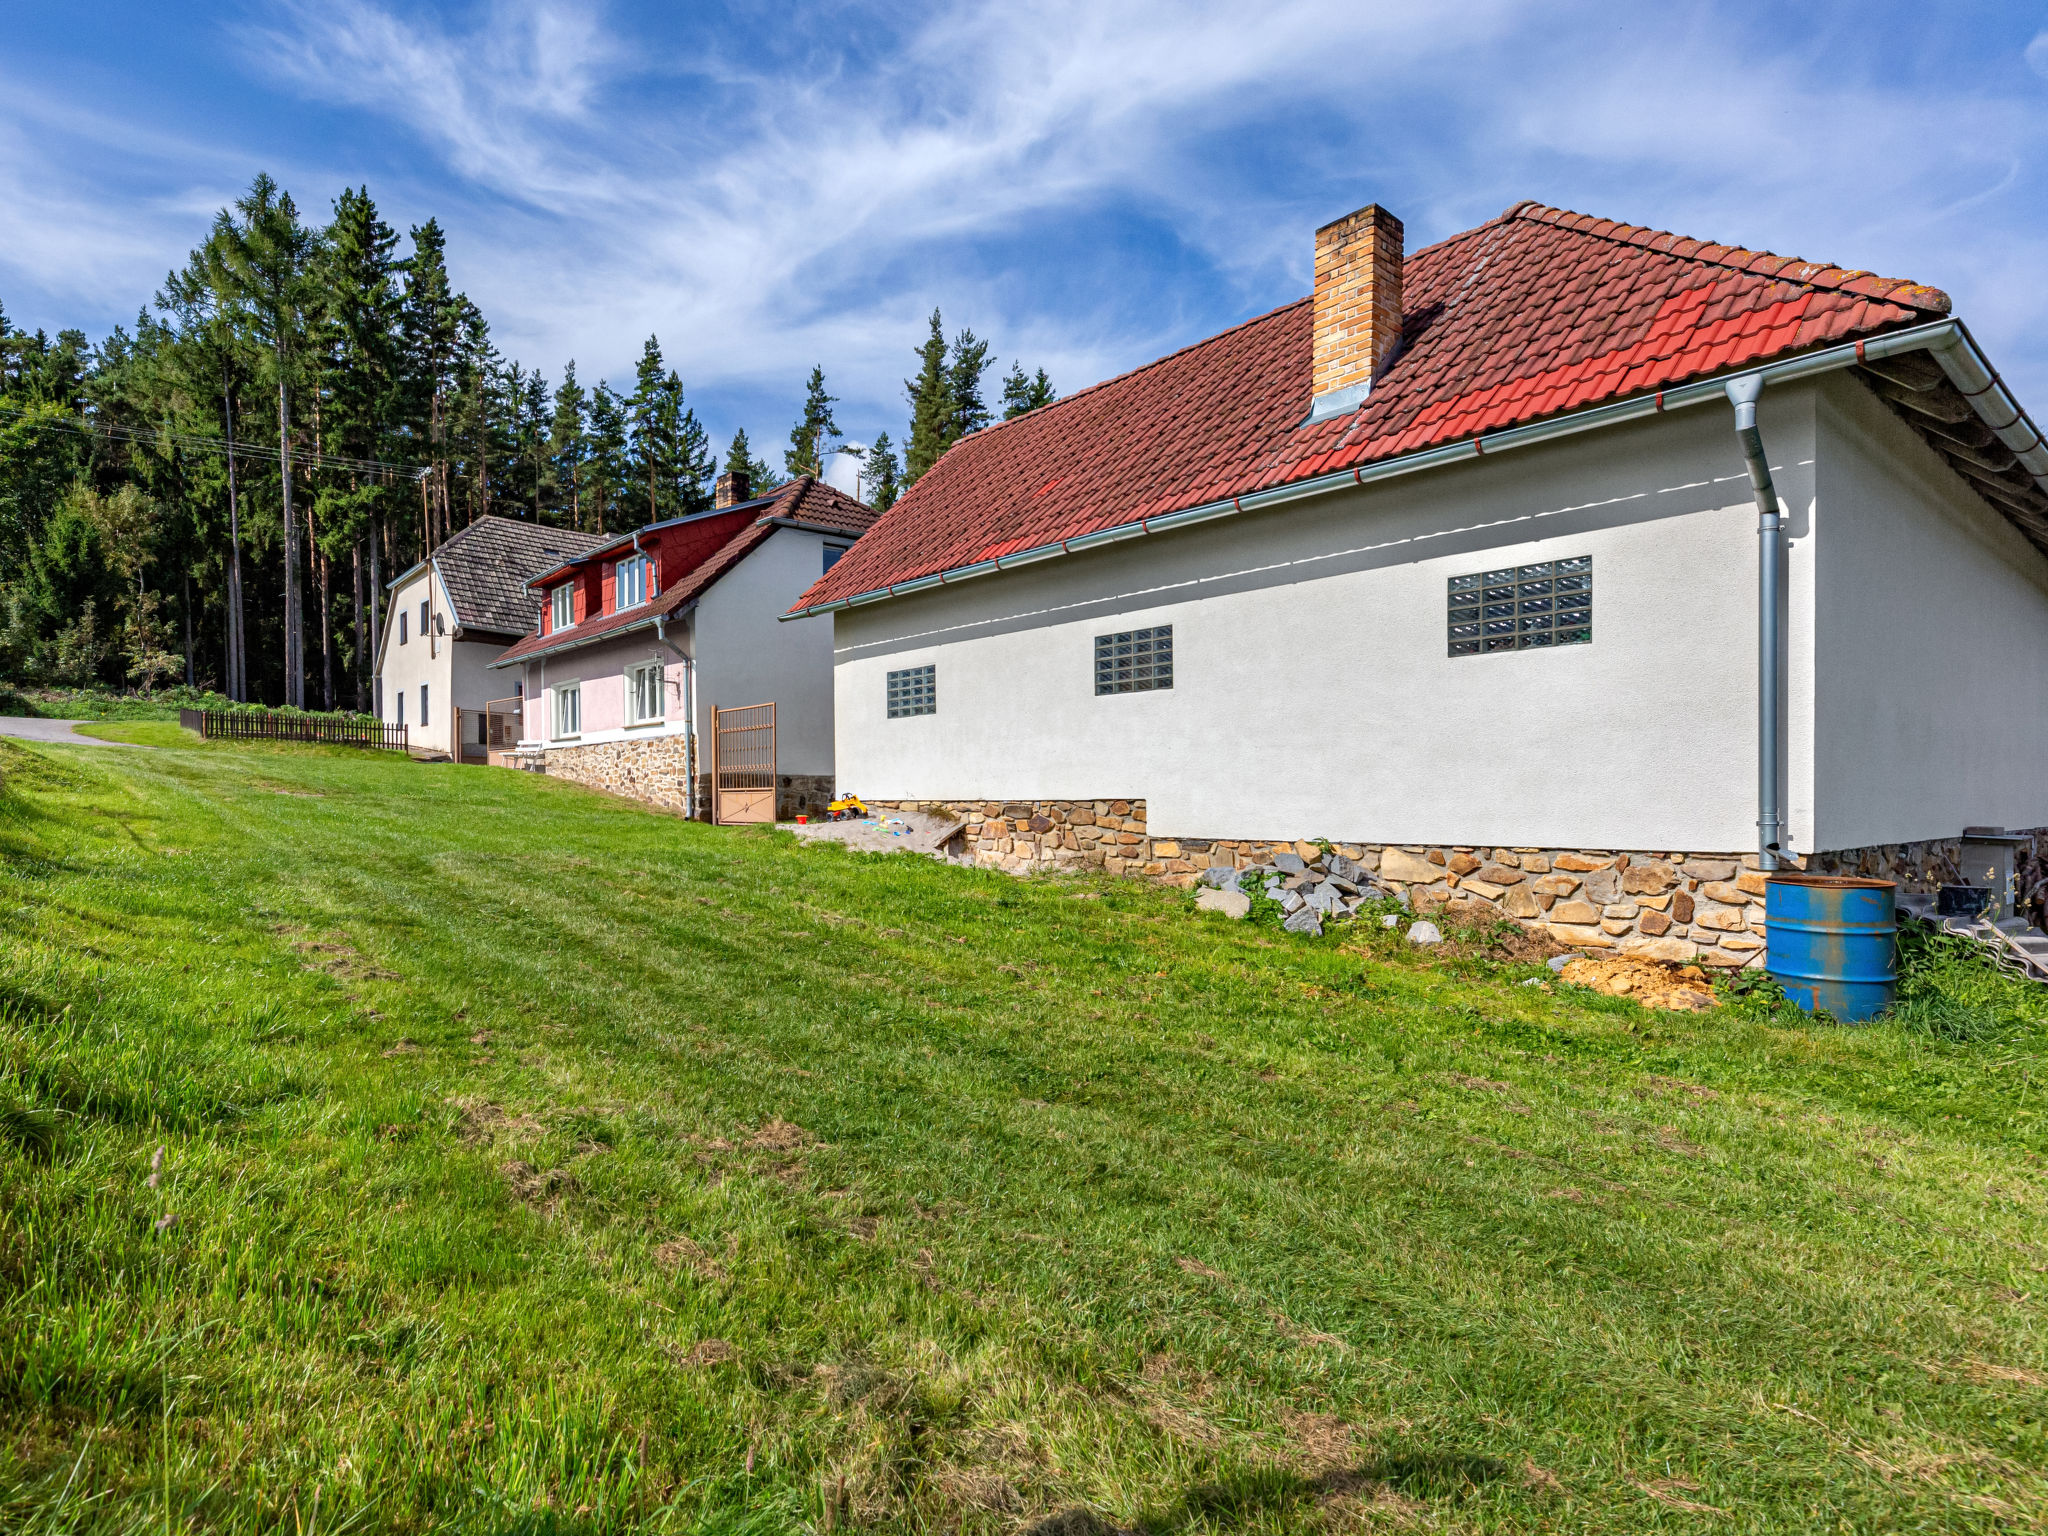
(746, 656)
(422, 659)
(743, 656)
(1932, 662)
(1313, 695)
(457, 673)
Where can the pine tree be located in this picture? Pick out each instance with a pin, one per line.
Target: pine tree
(610, 472)
(740, 460)
(262, 258)
(931, 405)
(568, 447)
(431, 327)
(671, 455)
(1021, 394)
(879, 479)
(811, 438)
(969, 361)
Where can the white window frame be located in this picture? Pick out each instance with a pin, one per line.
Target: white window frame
(562, 607)
(641, 570)
(641, 675)
(565, 708)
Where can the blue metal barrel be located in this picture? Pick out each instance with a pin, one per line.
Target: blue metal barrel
(1831, 941)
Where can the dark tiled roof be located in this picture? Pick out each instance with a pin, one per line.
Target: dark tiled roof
(1536, 312)
(803, 500)
(487, 565)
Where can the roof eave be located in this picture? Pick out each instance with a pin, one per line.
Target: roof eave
(1930, 336)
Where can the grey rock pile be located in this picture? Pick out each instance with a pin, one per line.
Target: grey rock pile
(1331, 889)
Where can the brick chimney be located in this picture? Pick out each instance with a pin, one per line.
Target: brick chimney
(1358, 307)
(730, 490)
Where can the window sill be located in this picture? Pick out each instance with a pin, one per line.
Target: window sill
(644, 725)
(577, 737)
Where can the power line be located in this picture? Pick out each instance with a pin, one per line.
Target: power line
(159, 436)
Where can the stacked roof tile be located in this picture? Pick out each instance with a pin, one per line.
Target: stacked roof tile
(1536, 312)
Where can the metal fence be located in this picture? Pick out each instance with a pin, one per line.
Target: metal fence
(235, 725)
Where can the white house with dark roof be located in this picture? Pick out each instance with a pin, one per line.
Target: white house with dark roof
(450, 616)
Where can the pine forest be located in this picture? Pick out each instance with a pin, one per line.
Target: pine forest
(218, 496)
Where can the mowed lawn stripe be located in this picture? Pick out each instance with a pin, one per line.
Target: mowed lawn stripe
(538, 1160)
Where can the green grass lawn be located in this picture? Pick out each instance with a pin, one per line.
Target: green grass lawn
(399, 1147)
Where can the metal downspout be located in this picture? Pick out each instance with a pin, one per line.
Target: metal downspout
(689, 711)
(1771, 659)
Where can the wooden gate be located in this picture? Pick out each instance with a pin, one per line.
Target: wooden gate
(743, 764)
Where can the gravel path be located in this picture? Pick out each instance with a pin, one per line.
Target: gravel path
(32, 728)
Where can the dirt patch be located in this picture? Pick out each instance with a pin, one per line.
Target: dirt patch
(404, 1047)
(780, 1135)
(1321, 1440)
(1481, 1084)
(479, 1121)
(1699, 1093)
(332, 957)
(976, 1488)
(681, 1252)
(1675, 988)
(542, 1187)
(898, 832)
(708, 1352)
(1197, 1267)
(1539, 1479)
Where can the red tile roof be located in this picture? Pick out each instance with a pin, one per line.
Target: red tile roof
(1536, 312)
(745, 528)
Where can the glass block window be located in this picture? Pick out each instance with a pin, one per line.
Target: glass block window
(1522, 607)
(913, 691)
(1136, 661)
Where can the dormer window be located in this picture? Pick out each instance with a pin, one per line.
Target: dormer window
(562, 606)
(632, 581)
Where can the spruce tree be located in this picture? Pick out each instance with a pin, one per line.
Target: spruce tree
(739, 459)
(811, 438)
(568, 447)
(1021, 394)
(431, 326)
(964, 368)
(610, 472)
(879, 480)
(671, 455)
(931, 405)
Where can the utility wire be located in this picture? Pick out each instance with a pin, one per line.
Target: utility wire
(158, 436)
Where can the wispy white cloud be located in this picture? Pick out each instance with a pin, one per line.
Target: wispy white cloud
(1094, 184)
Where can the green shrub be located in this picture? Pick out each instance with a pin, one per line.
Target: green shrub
(1951, 987)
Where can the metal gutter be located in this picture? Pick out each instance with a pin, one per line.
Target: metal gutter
(1932, 337)
(572, 639)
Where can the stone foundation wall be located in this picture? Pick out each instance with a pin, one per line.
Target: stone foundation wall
(656, 771)
(653, 769)
(1666, 905)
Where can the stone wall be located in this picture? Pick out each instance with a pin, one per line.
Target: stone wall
(653, 769)
(1662, 904)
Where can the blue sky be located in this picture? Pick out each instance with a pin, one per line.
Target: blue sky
(1086, 185)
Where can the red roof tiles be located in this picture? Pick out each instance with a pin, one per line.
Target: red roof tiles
(1535, 312)
(690, 564)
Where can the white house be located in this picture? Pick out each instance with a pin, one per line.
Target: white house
(644, 639)
(450, 616)
(1463, 562)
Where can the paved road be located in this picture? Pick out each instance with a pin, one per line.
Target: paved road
(29, 728)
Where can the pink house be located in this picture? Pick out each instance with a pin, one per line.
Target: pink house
(639, 640)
